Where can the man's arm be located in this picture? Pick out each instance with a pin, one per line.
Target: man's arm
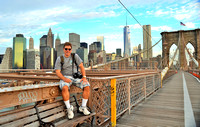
(59, 74)
(82, 71)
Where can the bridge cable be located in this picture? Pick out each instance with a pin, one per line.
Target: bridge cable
(137, 21)
(166, 69)
(194, 60)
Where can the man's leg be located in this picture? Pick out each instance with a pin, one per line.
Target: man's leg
(86, 94)
(65, 94)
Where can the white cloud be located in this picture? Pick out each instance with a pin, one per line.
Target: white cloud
(49, 24)
(182, 16)
(97, 14)
(149, 12)
(135, 26)
(190, 25)
(5, 42)
(187, 11)
(162, 28)
(161, 12)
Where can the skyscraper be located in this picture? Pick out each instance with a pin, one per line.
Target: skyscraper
(43, 40)
(118, 52)
(127, 45)
(92, 56)
(101, 39)
(84, 45)
(33, 59)
(83, 54)
(43, 45)
(74, 39)
(98, 46)
(58, 42)
(31, 43)
(50, 39)
(19, 52)
(147, 42)
(48, 58)
(7, 59)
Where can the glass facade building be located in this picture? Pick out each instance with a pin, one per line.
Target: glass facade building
(127, 44)
(19, 52)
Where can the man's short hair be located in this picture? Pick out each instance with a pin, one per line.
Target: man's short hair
(67, 44)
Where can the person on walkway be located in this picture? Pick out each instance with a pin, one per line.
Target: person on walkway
(64, 72)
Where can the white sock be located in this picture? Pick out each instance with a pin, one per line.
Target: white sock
(67, 103)
(84, 102)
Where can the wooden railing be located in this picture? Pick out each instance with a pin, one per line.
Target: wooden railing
(113, 96)
(110, 96)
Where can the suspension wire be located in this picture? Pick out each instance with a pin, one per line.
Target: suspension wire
(99, 65)
(137, 21)
(142, 28)
(193, 59)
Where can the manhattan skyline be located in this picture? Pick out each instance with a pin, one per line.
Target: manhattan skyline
(95, 18)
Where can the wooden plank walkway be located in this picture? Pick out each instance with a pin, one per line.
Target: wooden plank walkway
(166, 106)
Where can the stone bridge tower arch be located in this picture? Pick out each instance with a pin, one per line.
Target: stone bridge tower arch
(184, 36)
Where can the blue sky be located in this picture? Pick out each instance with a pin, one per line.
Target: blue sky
(94, 18)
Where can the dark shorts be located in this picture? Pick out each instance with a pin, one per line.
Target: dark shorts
(76, 82)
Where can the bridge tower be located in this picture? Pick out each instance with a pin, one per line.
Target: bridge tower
(185, 37)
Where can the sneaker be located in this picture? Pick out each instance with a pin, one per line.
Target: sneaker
(84, 110)
(70, 112)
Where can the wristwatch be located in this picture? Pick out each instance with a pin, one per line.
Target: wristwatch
(84, 76)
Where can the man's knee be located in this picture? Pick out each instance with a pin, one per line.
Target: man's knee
(86, 89)
(65, 89)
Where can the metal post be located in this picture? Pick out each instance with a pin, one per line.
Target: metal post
(154, 88)
(145, 90)
(161, 80)
(129, 96)
(113, 102)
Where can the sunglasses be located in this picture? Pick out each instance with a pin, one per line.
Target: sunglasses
(68, 49)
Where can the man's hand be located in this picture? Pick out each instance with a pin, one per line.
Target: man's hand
(67, 80)
(84, 80)
(59, 74)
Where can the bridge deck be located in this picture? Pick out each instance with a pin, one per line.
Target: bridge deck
(166, 106)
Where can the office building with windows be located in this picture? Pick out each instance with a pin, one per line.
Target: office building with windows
(74, 39)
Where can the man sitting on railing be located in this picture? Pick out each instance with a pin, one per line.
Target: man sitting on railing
(64, 69)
